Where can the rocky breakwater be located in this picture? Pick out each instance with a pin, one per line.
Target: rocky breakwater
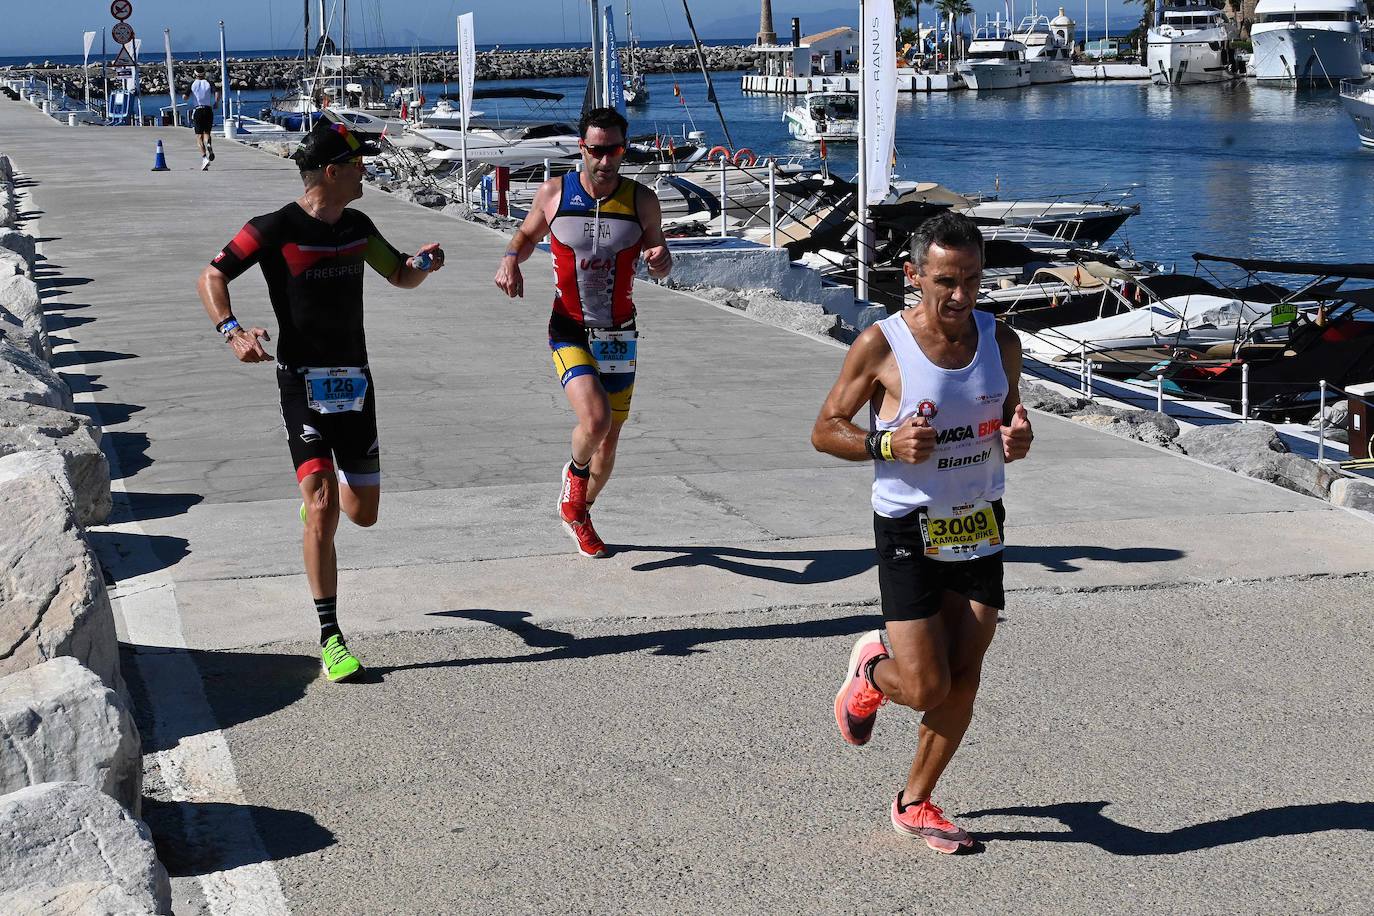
(395, 69)
(70, 756)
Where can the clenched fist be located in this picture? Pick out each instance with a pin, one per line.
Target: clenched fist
(1016, 438)
(913, 441)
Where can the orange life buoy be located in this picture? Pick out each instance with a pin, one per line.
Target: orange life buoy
(746, 153)
(718, 149)
(420, 99)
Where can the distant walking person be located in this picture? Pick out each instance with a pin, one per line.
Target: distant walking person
(598, 225)
(203, 116)
(941, 382)
(313, 253)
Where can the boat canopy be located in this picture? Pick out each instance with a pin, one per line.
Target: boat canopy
(512, 92)
(1306, 268)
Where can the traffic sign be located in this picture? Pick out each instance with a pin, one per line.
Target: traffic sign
(122, 33)
(123, 58)
(121, 9)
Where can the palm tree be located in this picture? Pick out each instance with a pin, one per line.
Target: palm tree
(952, 11)
(905, 9)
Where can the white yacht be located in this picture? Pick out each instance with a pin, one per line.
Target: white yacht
(1050, 59)
(994, 60)
(1307, 41)
(832, 116)
(1358, 98)
(1191, 44)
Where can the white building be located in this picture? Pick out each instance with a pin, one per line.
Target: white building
(823, 54)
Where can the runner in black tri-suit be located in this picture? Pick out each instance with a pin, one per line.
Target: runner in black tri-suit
(313, 253)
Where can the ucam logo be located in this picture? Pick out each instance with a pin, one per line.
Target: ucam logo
(596, 263)
(949, 464)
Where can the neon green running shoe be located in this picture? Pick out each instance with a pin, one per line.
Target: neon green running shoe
(339, 663)
(302, 513)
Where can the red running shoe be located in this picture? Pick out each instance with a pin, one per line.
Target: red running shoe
(925, 820)
(856, 705)
(572, 501)
(588, 543)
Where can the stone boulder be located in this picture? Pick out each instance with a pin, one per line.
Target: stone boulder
(20, 243)
(797, 316)
(21, 315)
(1041, 397)
(12, 263)
(52, 595)
(1149, 426)
(59, 723)
(1255, 450)
(1353, 494)
(57, 834)
(25, 377)
(32, 427)
(6, 168)
(84, 898)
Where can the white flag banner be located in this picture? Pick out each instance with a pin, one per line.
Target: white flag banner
(879, 62)
(89, 38)
(467, 64)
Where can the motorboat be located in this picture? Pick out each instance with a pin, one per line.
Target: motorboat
(1358, 98)
(1191, 44)
(1192, 320)
(832, 116)
(994, 60)
(368, 124)
(507, 146)
(1062, 218)
(1050, 59)
(1307, 41)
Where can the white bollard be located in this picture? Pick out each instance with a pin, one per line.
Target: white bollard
(772, 203)
(1159, 392)
(1321, 424)
(546, 169)
(1090, 380)
(1245, 391)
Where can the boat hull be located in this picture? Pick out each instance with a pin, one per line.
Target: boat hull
(1196, 58)
(1359, 104)
(983, 77)
(1300, 55)
(1044, 72)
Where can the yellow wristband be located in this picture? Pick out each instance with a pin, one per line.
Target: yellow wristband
(885, 445)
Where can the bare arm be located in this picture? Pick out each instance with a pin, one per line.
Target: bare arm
(408, 276)
(213, 288)
(859, 383)
(655, 247)
(536, 225)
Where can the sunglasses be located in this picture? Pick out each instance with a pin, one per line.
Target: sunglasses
(600, 150)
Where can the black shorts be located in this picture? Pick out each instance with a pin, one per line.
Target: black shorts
(912, 585)
(324, 443)
(203, 119)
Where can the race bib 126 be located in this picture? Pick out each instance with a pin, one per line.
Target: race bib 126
(338, 389)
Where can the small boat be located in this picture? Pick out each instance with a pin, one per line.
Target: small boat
(1191, 44)
(1358, 98)
(995, 60)
(636, 91)
(832, 116)
(1050, 59)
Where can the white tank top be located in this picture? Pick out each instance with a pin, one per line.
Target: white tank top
(965, 408)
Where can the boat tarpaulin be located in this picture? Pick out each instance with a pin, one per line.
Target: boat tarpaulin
(1308, 268)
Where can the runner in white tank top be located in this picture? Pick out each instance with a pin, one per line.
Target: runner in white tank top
(941, 384)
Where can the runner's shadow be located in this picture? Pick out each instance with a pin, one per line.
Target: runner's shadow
(1057, 558)
(1087, 824)
(198, 838)
(820, 565)
(557, 645)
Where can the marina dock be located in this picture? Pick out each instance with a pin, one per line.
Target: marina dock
(1170, 719)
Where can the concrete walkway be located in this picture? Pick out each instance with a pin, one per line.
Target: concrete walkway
(1174, 717)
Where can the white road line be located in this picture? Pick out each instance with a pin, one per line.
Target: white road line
(197, 767)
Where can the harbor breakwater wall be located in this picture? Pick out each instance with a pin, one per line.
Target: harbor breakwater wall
(71, 759)
(528, 64)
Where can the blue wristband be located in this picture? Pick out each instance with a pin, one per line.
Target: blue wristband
(227, 327)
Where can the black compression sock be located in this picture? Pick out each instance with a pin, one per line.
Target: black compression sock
(584, 472)
(329, 618)
(868, 671)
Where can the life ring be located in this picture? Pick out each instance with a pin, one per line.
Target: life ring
(744, 152)
(718, 149)
(420, 100)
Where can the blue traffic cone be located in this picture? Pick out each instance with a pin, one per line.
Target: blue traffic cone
(159, 160)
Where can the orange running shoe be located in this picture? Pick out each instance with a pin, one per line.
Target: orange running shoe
(572, 501)
(856, 705)
(588, 543)
(924, 819)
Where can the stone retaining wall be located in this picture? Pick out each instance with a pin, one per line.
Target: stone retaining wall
(71, 767)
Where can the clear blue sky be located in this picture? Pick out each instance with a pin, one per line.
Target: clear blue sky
(55, 27)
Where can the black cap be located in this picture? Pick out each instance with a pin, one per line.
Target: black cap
(329, 142)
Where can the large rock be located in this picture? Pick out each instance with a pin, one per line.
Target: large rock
(1041, 397)
(12, 263)
(1353, 494)
(1149, 426)
(32, 427)
(21, 315)
(59, 723)
(797, 316)
(6, 168)
(1255, 450)
(20, 243)
(25, 377)
(61, 833)
(52, 597)
(84, 898)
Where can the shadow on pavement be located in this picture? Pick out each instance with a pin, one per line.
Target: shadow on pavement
(821, 565)
(680, 641)
(197, 838)
(1087, 824)
(140, 507)
(128, 452)
(1057, 558)
(86, 357)
(136, 554)
(107, 414)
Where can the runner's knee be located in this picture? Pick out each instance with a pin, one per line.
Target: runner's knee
(363, 516)
(920, 689)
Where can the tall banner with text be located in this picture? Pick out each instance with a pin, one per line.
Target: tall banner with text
(467, 65)
(878, 58)
(615, 82)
